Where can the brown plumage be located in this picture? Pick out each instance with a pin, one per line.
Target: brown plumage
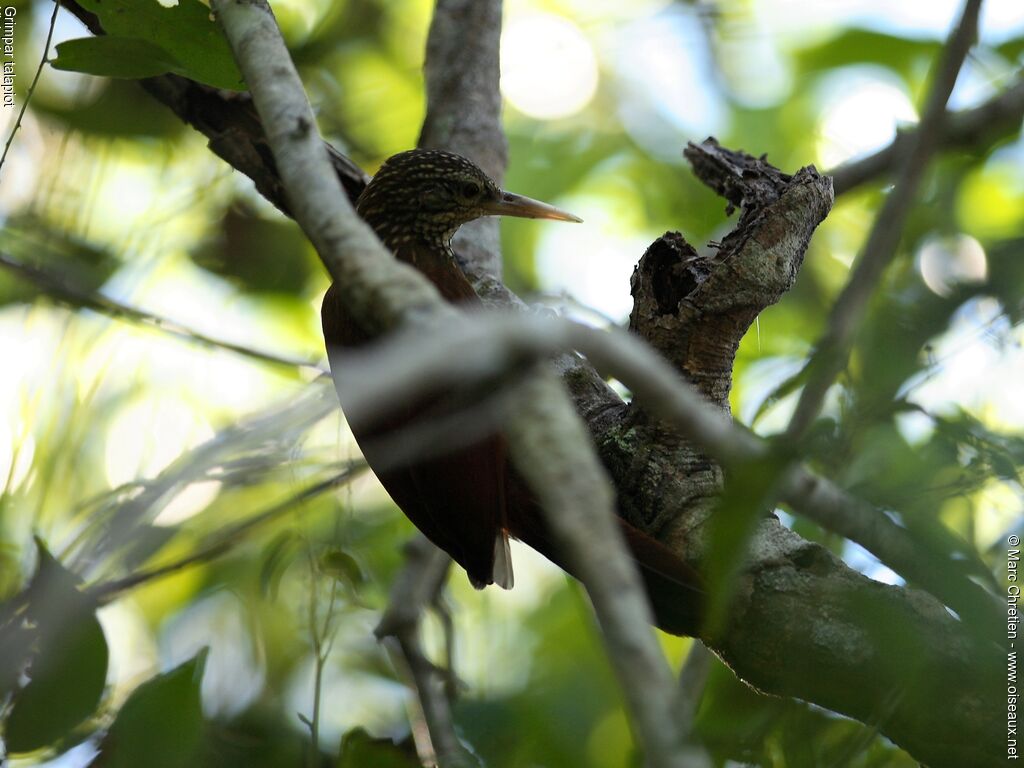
(469, 500)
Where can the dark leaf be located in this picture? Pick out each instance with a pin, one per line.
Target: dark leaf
(160, 725)
(749, 494)
(69, 669)
(259, 255)
(359, 749)
(115, 109)
(72, 261)
(343, 567)
(864, 46)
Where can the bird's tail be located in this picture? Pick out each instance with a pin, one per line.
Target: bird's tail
(675, 590)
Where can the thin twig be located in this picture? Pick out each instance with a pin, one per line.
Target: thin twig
(880, 248)
(319, 639)
(318, 670)
(59, 289)
(693, 678)
(253, 446)
(416, 588)
(31, 89)
(222, 542)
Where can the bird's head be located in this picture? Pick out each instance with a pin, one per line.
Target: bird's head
(426, 195)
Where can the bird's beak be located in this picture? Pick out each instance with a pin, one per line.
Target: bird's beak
(511, 204)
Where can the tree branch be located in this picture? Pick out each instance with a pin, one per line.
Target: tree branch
(880, 247)
(222, 541)
(464, 110)
(415, 589)
(58, 288)
(794, 593)
(410, 364)
(980, 127)
(695, 310)
(559, 464)
(383, 292)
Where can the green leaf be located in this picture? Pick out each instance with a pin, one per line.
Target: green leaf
(68, 673)
(751, 491)
(864, 46)
(359, 749)
(128, 57)
(160, 725)
(186, 34)
(76, 262)
(343, 567)
(277, 556)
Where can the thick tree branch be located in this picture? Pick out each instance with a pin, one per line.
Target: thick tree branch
(803, 620)
(880, 247)
(464, 109)
(695, 310)
(493, 345)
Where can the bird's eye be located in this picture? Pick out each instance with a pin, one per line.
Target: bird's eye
(470, 189)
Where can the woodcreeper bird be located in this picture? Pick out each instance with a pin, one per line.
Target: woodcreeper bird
(468, 500)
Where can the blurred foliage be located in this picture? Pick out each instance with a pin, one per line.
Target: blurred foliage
(126, 449)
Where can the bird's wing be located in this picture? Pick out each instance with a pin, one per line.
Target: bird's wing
(455, 495)
(452, 497)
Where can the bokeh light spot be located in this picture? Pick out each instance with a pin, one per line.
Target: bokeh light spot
(861, 114)
(188, 502)
(592, 263)
(548, 67)
(146, 436)
(662, 73)
(945, 262)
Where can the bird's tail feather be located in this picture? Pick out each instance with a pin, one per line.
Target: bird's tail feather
(674, 588)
